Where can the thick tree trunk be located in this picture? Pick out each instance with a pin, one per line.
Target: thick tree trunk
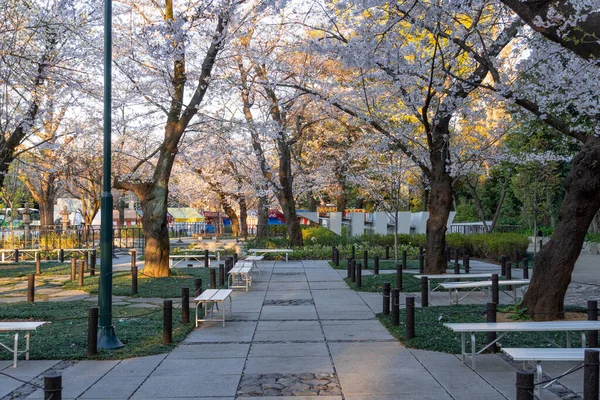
(262, 223)
(47, 213)
(440, 201)
(312, 202)
(554, 263)
(285, 195)
(235, 222)
(243, 216)
(156, 232)
(43, 191)
(341, 199)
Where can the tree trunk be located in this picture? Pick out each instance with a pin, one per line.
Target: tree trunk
(43, 191)
(440, 200)
(285, 194)
(341, 200)
(312, 202)
(46, 213)
(243, 217)
(554, 263)
(156, 232)
(262, 223)
(235, 222)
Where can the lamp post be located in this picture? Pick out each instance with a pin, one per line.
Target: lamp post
(107, 338)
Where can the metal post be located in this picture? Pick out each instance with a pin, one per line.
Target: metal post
(93, 257)
(61, 255)
(517, 257)
(524, 385)
(592, 315)
(399, 282)
(503, 266)
(490, 316)
(467, 263)
(349, 269)
(53, 386)
(456, 255)
(358, 277)
(198, 287)
(386, 298)
(31, 288)
(448, 255)
(590, 374)
(81, 273)
(221, 274)
(353, 252)
(410, 317)
(38, 263)
(134, 279)
(167, 321)
(91, 265)
(395, 307)
(73, 269)
(92, 338)
(213, 278)
(86, 264)
(387, 252)
(206, 259)
(133, 258)
(337, 257)
(421, 263)
(525, 269)
(404, 260)
(107, 338)
(424, 291)
(16, 255)
(185, 305)
(353, 271)
(333, 253)
(456, 268)
(366, 259)
(376, 265)
(495, 294)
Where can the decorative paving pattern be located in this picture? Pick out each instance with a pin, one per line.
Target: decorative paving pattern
(300, 302)
(289, 385)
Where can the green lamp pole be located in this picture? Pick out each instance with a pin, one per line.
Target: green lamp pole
(107, 338)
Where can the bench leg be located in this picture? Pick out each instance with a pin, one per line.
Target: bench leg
(539, 379)
(27, 345)
(473, 350)
(16, 350)
(463, 346)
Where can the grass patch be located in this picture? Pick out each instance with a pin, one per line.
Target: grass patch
(383, 264)
(148, 286)
(432, 335)
(19, 270)
(374, 283)
(65, 338)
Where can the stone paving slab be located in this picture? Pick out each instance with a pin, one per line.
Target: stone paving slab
(288, 350)
(288, 313)
(288, 295)
(400, 396)
(355, 330)
(192, 367)
(376, 382)
(234, 331)
(208, 351)
(286, 365)
(188, 385)
(113, 388)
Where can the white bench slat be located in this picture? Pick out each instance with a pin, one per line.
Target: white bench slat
(240, 270)
(254, 258)
(467, 285)
(453, 276)
(524, 326)
(21, 325)
(545, 354)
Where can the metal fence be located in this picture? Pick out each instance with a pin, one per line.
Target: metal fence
(467, 229)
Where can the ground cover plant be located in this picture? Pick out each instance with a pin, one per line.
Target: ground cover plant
(23, 269)
(65, 338)
(432, 335)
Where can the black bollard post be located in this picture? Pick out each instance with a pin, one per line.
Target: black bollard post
(387, 252)
(236, 257)
(185, 305)
(395, 307)
(447, 254)
(456, 268)
(86, 264)
(456, 255)
(503, 266)
(31, 288)
(61, 255)
(495, 294)
(590, 374)
(399, 279)
(524, 385)
(92, 337)
(366, 259)
(490, 316)
(16, 255)
(376, 265)
(221, 274)
(133, 258)
(38, 263)
(53, 386)
(81, 273)
(349, 269)
(421, 263)
(336, 257)
(386, 298)
(213, 278)
(167, 321)
(73, 269)
(353, 252)
(424, 291)
(358, 277)
(134, 279)
(421, 250)
(93, 257)
(333, 253)
(198, 287)
(353, 271)
(404, 260)
(467, 263)
(410, 317)
(206, 259)
(517, 257)
(592, 315)
(525, 269)
(91, 264)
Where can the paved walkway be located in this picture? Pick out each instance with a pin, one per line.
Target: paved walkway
(299, 332)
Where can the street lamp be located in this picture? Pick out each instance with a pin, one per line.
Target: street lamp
(107, 338)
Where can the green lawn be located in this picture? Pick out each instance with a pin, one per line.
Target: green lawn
(65, 338)
(383, 264)
(24, 269)
(432, 335)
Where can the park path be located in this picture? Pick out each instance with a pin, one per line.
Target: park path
(299, 332)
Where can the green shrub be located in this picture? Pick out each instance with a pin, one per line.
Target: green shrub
(53, 241)
(492, 246)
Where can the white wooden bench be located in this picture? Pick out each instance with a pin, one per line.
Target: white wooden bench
(17, 327)
(255, 260)
(9, 255)
(447, 277)
(176, 259)
(211, 299)
(538, 355)
(240, 275)
(265, 251)
(507, 327)
(478, 285)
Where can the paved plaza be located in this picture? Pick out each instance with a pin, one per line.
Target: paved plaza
(299, 332)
